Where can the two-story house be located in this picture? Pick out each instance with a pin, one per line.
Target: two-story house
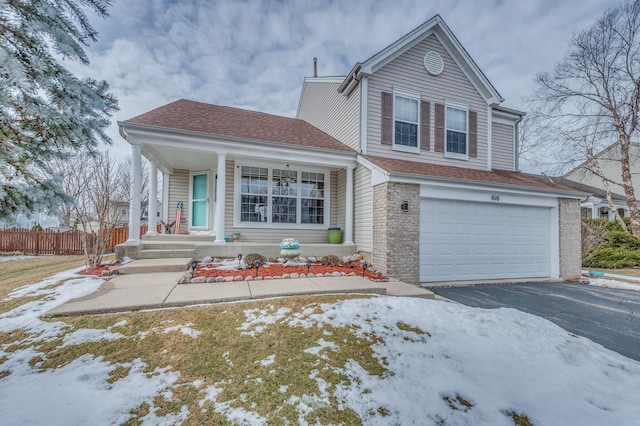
(410, 154)
(588, 177)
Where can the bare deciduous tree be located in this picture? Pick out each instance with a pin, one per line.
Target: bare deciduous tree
(595, 91)
(90, 180)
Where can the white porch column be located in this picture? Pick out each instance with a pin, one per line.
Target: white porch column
(348, 220)
(153, 200)
(136, 196)
(220, 201)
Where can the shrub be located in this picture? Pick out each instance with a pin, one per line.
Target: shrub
(613, 257)
(36, 227)
(331, 260)
(606, 245)
(251, 258)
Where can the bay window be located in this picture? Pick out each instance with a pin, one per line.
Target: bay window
(282, 195)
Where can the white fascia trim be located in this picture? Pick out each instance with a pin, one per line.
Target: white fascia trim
(336, 79)
(487, 195)
(199, 142)
(400, 46)
(364, 117)
(378, 175)
(450, 183)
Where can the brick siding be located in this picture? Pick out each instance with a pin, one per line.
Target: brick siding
(569, 224)
(396, 234)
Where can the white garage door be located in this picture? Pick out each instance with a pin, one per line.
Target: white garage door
(461, 240)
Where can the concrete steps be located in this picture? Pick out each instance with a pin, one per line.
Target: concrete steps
(167, 253)
(146, 266)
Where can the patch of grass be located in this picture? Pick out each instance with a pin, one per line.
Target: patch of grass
(457, 403)
(10, 304)
(4, 374)
(16, 273)
(519, 419)
(222, 355)
(407, 327)
(20, 272)
(120, 372)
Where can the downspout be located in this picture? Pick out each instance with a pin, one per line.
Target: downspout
(516, 132)
(122, 132)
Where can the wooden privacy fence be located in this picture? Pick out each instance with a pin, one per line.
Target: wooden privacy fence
(40, 242)
(55, 242)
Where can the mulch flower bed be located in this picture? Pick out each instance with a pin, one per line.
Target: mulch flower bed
(219, 272)
(101, 270)
(228, 271)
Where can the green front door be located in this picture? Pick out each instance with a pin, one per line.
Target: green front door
(200, 201)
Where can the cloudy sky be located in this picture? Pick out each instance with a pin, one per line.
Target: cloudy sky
(254, 54)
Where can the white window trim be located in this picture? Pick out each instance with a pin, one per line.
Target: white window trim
(404, 148)
(189, 221)
(237, 182)
(456, 155)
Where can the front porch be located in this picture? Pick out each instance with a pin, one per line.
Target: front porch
(198, 246)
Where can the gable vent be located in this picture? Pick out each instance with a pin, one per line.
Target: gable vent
(433, 63)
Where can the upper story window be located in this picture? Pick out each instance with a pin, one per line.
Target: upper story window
(456, 132)
(405, 122)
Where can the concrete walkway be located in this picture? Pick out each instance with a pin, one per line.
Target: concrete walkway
(155, 290)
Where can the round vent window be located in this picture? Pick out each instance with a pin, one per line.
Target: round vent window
(433, 63)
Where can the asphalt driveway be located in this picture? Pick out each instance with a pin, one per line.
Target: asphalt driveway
(607, 316)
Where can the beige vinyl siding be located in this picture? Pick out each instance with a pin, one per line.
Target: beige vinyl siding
(179, 191)
(363, 209)
(407, 72)
(502, 146)
(335, 114)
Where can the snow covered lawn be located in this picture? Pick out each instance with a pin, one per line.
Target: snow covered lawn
(322, 360)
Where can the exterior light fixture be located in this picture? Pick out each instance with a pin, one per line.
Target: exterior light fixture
(365, 265)
(239, 258)
(257, 265)
(194, 263)
(404, 206)
(308, 266)
(351, 264)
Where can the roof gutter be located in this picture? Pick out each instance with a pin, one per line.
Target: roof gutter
(576, 194)
(233, 139)
(351, 81)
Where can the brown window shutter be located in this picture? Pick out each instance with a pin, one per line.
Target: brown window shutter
(387, 118)
(425, 125)
(439, 142)
(473, 134)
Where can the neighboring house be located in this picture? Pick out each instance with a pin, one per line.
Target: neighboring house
(410, 154)
(583, 179)
(122, 212)
(28, 221)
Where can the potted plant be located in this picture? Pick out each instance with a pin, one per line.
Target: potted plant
(335, 235)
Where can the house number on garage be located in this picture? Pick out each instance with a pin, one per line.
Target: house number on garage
(495, 198)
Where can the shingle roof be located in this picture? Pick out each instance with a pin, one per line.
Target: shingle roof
(500, 177)
(231, 122)
(598, 192)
